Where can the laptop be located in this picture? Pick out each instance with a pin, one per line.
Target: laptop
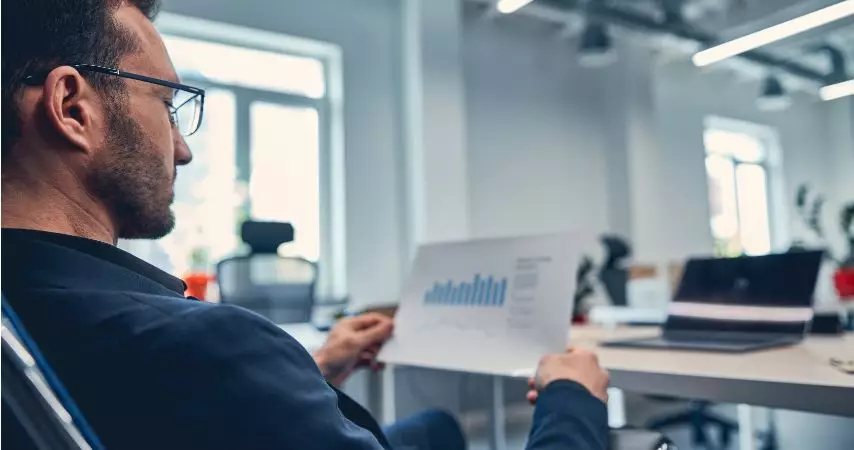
(739, 304)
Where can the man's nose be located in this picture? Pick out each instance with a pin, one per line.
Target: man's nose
(183, 155)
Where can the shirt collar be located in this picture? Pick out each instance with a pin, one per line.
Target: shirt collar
(100, 250)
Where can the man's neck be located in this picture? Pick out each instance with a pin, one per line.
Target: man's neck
(43, 206)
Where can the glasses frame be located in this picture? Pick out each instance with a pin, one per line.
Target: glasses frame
(34, 80)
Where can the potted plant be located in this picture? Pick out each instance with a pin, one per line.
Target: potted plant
(844, 277)
(809, 210)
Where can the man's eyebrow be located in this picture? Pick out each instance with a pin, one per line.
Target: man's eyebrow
(164, 90)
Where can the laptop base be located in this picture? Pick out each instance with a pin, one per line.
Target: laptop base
(725, 346)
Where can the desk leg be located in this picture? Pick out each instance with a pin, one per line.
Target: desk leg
(497, 432)
(616, 408)
(746, 439)
(389, 414)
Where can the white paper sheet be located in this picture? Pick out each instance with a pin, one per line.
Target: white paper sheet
(490, 306)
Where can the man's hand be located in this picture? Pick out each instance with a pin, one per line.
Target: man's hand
(352, 343)
(581, 366)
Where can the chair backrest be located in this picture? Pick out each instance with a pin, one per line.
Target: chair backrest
(279, 288)
(37, 412)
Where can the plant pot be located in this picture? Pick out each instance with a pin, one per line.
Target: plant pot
(197, 284)
(844, 282)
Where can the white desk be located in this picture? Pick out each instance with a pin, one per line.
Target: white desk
(797, 378)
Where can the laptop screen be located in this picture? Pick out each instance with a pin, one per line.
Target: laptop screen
(770, 294)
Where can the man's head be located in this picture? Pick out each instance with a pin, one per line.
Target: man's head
(103, 143)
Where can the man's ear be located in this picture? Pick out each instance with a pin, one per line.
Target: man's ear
(72, 108)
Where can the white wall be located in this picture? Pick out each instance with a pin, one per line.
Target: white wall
(684, 98)
(555, 146)
(368, 31)
(535, 134)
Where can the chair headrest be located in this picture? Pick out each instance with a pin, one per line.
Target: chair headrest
(266, 237)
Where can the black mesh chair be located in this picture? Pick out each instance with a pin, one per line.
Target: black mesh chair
(638, 439)
(699, 417)
(279, 288)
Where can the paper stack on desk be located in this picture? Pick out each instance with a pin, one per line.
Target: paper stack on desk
(490, 306)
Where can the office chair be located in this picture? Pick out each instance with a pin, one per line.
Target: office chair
(37, 414)
(282, 289)
(638, 439)
(698, 417)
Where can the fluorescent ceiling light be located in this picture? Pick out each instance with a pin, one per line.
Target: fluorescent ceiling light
(838, 90)
(511, 6)
(781, 31)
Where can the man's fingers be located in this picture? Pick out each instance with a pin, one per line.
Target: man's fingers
(368, 320)
(532, 397)
(376, 334)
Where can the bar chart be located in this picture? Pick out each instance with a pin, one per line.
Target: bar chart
(481, 291)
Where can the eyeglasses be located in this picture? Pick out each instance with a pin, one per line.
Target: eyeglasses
(188, 103)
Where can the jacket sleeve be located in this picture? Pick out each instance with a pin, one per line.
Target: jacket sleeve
(569, 417)
(259, 387)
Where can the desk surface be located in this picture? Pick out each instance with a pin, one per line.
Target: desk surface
(798, 377)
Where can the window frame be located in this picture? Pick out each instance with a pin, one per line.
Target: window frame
(771, 163)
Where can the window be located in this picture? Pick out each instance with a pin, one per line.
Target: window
(284, 183)
(264, 151)
(738, 192)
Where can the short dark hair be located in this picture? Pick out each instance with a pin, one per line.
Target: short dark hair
(39, 35)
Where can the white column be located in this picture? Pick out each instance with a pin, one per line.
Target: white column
(654, 158)
(388, 400)
(632, 154)
(840, 124)
(435, 172)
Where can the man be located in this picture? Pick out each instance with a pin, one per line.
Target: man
(89, 156)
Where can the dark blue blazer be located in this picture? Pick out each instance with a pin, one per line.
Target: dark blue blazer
(152, 370)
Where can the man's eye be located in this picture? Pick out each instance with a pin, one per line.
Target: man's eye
(171, 110)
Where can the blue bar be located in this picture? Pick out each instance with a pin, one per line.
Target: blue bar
(478, 290)
(475, 295)
(481, 291)
(487, 299)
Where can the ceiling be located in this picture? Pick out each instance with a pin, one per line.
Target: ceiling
(702, 22)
